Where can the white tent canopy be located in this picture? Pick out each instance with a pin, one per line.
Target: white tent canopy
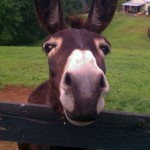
(132, 4)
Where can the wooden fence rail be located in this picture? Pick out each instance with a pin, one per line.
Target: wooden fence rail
(148, 33)
(41, 125)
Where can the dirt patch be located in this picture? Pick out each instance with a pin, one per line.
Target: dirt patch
(13, 94)
(8, 146)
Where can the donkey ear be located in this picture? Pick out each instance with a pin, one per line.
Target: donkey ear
(50, 15)
(100, 15)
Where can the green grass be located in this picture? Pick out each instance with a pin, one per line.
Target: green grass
(128, 73)
(25, 66)
(129, 32)
(128, 65)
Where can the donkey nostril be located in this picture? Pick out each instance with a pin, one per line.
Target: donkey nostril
(68, 80)
(102, 82)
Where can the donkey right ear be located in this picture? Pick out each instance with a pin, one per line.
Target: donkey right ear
(100, 15)
(50, 15)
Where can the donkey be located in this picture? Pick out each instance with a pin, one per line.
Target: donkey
(77, 70)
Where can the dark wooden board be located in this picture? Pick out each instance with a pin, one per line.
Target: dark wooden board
(148, 33)
(42, 125)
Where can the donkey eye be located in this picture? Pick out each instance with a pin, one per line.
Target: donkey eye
(105, 49)
(48, 47)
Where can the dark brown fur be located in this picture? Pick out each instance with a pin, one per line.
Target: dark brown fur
(47, 93)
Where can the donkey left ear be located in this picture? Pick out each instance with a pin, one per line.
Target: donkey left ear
(50, 15)
(100, 15)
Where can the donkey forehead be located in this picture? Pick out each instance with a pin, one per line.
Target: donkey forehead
(75, 38)
(68, 41)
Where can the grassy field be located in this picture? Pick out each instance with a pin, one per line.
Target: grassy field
(25, 66)
(128, 65)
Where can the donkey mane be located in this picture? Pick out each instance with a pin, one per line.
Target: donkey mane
(75, 22)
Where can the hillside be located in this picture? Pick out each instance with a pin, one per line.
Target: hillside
(129, 31)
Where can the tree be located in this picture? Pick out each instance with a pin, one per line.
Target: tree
(120, 2)
(72, 7)
(18, 24)
(10, 18)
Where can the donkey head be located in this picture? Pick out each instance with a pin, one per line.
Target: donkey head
(76, 59)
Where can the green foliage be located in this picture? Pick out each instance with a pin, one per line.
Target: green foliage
(88, 2)
(72, 7)
(18, 24)
(120, 2)
(10, 18)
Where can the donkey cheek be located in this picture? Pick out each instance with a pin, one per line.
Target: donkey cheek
(100, 105)
(67, 101)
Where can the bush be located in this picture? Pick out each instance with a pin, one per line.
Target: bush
(119, 4)
(71, 7)
(18, 24)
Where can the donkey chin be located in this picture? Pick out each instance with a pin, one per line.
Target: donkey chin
(82, 120)
(84, 114)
